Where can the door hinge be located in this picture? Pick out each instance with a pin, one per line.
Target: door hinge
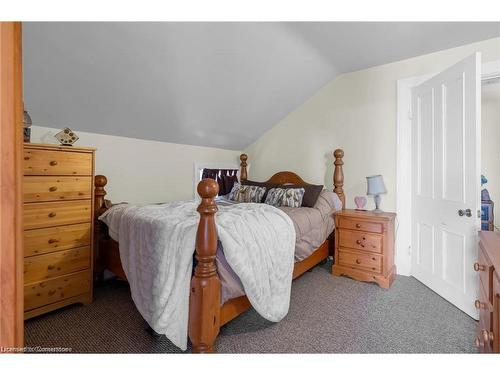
(479, 214)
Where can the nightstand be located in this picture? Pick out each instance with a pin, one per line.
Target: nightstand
(364, 246)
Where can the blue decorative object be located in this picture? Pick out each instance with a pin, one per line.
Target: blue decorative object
(483, 180)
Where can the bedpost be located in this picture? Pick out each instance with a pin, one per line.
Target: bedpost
(204, 300)
(100, 182)
(243, 165)
(338, 175)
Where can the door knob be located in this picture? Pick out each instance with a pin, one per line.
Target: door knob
(467, 212)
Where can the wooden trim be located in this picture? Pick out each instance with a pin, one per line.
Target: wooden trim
(11, 149)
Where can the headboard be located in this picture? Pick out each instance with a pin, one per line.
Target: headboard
(287, 177)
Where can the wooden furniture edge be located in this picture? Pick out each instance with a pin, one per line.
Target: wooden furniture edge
(206, 315)
(48, 146)
(11, 150)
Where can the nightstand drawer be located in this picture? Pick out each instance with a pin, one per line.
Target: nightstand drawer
(360, 240)
(361, 225)
(360, 260)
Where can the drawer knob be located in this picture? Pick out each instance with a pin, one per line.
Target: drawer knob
(53, 188)
(358, 225)
(358, 242)
(50, 267)
(479, 267)
(52, 214)
(478, 342)
(53, 162)
(51, 292)
(53, 240)
(358, 261)
(487, 336)
(479, 305)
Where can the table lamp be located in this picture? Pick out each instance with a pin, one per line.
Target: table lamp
(376, 187)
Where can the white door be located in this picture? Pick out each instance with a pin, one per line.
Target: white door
(446, 135)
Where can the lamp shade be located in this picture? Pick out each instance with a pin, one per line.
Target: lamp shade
(375, 185)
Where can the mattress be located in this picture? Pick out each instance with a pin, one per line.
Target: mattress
(312, 225)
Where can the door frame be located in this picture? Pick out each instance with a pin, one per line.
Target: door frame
(11, 149)
(489, 70)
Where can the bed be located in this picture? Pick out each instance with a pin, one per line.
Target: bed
(211, 302)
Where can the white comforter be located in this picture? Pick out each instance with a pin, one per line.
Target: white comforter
(157, 243)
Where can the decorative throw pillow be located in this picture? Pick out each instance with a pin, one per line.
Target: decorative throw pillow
(248, 194)
(235, 188)
(311, 193)
(227, 184)
(267, 185)
(290, 197)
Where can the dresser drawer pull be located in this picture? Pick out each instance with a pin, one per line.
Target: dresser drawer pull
(52, 240)
(52, 214)
(487, 336)
(479, 267)
(52, 292)
(358, 225)
(53, 162)
(50, 267)
(358, 261)
(479, 305)
(478, 343)
(53, 188)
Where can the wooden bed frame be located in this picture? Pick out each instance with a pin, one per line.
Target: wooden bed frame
(206, 315)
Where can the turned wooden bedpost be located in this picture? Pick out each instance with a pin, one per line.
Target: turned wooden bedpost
(338, 175)
(243, 165)
(100, 182)
(204, 300)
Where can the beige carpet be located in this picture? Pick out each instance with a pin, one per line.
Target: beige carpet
(327, 315)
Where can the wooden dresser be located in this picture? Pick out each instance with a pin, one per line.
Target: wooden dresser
(488, 303)
(364, 246)
(58, 227)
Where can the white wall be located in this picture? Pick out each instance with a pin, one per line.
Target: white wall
(357, 112)
(490, 158)
(141, 171)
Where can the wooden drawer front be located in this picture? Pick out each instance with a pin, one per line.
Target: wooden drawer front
(45, 162)
(53, 290)
(366, 226)
(485, 270)
(42, 215)
(360, 240)
(48, 240)
(48, 188)
(372, 263)
(42, 267)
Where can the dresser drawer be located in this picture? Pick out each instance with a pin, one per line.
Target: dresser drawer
(48, 240)
(41, 215)
(45, 162)
(485, 270)
(54, 188)
(360, 240)
(364, 261)
(47, 266)
(361, 225)
(54, 290)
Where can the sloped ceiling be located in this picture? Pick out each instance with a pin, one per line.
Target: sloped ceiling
(209, 84)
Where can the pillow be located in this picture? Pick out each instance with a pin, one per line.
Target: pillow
(311, 193)
(267, 185)
(289, 197)
(227, 184)
(247, 194)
